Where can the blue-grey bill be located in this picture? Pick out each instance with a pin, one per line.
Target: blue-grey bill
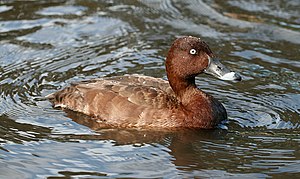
(217, 69)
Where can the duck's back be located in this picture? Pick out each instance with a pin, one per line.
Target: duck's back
(126, 101)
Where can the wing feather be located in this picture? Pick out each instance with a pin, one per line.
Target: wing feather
(109, 98)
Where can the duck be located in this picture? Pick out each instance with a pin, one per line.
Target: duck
(139, 101)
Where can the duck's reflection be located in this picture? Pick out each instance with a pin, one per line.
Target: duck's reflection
(186, 146)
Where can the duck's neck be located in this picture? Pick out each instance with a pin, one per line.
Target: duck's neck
(183, 86)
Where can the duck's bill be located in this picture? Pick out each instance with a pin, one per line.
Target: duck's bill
(220, 71)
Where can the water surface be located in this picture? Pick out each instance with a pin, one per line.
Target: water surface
(45, 45)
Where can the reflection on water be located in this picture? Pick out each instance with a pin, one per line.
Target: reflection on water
(44, 46)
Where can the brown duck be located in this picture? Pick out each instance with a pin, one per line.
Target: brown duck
(146, 102)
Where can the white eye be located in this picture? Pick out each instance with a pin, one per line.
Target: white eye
(193, 51)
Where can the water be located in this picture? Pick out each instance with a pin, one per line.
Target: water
(45, 45)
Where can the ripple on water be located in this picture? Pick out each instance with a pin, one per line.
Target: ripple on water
(269, 8)
(26, 74)
(62, 10)
(92, 158)
(4, 8)
(73, 33)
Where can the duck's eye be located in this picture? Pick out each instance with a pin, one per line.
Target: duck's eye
(193, 51)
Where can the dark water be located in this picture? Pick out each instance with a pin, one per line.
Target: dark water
(46, 45)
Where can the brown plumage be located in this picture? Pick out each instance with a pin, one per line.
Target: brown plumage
(148, 102)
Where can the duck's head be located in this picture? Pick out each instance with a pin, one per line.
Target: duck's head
(190, 56)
